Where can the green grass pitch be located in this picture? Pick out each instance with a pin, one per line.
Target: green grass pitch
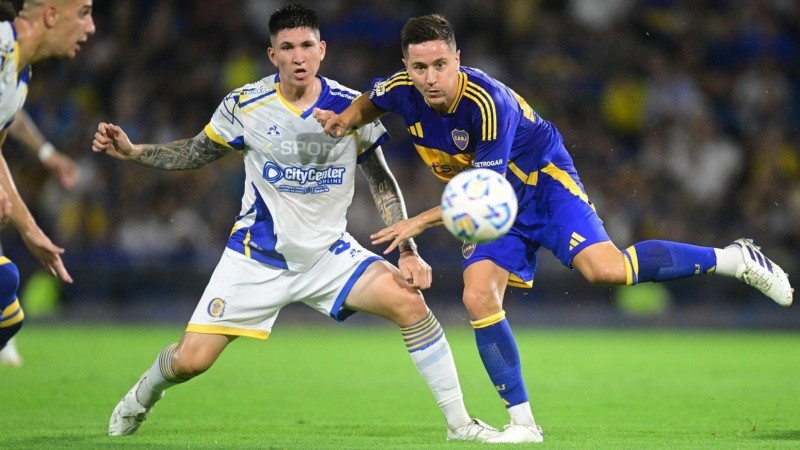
(355, 387)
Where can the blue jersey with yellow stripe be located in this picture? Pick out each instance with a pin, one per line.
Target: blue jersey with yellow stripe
(489, 125)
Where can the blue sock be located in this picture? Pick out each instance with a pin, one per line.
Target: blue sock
(663, 260)
(11, 314)
(500, 357)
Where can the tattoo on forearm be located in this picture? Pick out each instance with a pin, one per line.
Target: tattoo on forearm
(182, 154)
(386, 195)
(384, 192)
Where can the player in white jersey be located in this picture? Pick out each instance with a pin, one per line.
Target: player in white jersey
(43, 29)
(289, 243)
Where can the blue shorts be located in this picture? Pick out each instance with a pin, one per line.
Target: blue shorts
(555, 214)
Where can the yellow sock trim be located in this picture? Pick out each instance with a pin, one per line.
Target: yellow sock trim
(12, 315)
(488, 321)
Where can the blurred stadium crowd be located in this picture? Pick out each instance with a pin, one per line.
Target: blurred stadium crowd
(682, 118)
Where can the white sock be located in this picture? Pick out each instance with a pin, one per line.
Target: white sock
(728, 260)
(431, 354)
(158, 378)
(522, 415)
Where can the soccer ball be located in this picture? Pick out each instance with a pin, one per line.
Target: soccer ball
(478, 205)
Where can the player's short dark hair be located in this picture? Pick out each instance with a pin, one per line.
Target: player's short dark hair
(432, 27)
(9, 9)
(292, 16)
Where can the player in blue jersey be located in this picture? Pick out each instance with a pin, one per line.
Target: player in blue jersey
(459, 118)
(289, 243)
(43, 29)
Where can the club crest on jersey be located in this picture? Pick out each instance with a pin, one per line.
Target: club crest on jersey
(216, 307)
(460, 138)
(467, 249)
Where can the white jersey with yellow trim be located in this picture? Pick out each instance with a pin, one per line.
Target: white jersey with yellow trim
(299, 181)
(13, 81)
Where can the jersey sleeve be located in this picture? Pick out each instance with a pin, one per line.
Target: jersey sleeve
(387, 93)
(370, 137)
(225, 127)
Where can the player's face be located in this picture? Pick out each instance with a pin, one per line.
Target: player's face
(73, 26)
(433, 67)
(297, 53)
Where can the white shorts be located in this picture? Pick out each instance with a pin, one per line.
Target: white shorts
(244, 296)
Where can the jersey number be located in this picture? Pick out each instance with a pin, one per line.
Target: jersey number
(339, 246)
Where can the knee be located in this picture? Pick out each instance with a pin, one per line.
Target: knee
(482, 301)
(409, 309)
(9, 282)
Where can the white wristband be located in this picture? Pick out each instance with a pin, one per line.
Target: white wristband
(46, 151)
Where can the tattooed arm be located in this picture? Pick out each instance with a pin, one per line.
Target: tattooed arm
(386, 193)
(178, 155)
(392, 209)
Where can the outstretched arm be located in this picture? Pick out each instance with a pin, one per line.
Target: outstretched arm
(48, 254)
(389, 201)
(182, 154)
(408, 228)
(25, 131)
(361, 112)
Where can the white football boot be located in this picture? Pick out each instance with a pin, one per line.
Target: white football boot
(476, 430)
(129, 414)
(9, 355)
(761, 273)
(518, 434)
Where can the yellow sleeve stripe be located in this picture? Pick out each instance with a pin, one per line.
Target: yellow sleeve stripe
(216, 137)
(4, 260)
(400, 79)
(488, 109)
(526, 108)
(488, 321)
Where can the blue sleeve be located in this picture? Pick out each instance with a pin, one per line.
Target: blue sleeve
(387, 93)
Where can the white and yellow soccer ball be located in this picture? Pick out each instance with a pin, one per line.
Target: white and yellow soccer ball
(478, 205)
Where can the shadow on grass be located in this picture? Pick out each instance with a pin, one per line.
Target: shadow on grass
(779, 435)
